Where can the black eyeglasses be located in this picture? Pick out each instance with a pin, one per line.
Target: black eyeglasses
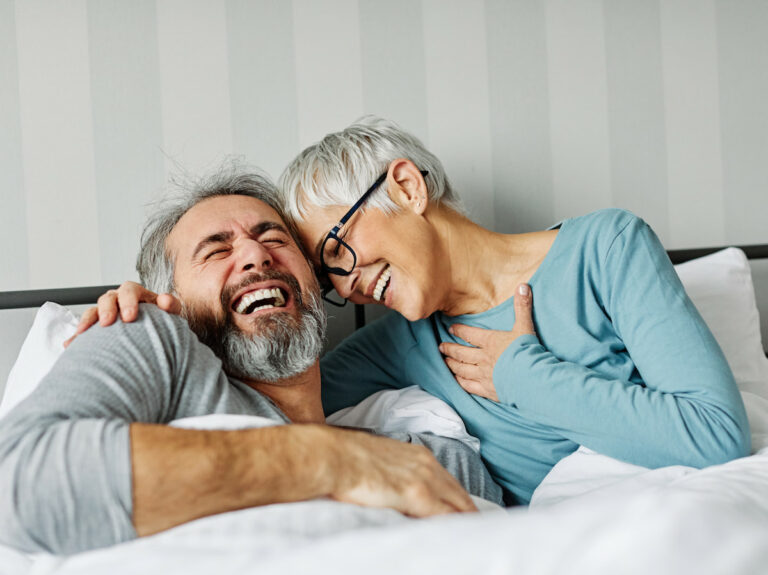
(336, 256)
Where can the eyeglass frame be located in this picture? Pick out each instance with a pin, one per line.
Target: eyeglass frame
(333, 234)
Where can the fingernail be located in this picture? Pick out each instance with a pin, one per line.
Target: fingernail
(450, 330)
(523, 289)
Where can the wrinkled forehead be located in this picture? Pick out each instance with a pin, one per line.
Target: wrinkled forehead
(220, 214)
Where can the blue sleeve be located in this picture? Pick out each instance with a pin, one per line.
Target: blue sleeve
(686, 410)
(369, 360)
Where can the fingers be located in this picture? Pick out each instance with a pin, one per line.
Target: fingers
(169, 303)
(477, 388)
(89, 317)
(381, 472)
(524, 309)
(125, 301)
(107, 308)
(461, 352)
(441, 495)
(456, 496)
(466, 370)
(472, 335)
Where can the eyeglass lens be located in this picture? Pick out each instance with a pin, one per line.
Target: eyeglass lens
(338, 255)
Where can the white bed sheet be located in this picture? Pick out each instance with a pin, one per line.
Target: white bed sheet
(711, 521)
(591, 515)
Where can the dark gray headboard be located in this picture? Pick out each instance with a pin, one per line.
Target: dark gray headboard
(87, 295)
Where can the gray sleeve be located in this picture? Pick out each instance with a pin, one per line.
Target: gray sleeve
(459, 460)
(65, 460)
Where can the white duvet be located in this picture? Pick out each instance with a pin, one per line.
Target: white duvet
(591, 515)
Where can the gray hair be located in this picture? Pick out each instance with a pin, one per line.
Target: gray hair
(154, 263)
(337, 170)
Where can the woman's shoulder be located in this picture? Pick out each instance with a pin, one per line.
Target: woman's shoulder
(600, 229)
(606, 221)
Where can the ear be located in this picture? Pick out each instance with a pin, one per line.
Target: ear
(406, 186)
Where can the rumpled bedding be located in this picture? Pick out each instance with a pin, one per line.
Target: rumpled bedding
(591, 515)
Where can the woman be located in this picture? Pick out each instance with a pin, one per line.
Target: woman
(616, 358)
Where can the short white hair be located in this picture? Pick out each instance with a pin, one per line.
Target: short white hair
(342, 166)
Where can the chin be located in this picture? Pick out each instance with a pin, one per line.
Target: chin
(413, 313)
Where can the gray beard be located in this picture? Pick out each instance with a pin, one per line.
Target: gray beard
(282, 345)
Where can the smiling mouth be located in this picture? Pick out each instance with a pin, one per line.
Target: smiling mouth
(382, 284)
(260, 299)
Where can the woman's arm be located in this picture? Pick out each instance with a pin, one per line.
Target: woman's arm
(687, 410)
(372, 359)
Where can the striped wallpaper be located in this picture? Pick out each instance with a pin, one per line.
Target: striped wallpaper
(539, 109)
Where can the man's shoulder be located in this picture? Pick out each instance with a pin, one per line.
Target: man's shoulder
(153, 333)
(152, 322)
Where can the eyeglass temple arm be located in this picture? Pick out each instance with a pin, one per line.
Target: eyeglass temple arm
(359, 315)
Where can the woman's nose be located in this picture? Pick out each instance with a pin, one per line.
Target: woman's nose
(345, 285)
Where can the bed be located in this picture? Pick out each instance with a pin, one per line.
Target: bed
(592, 514)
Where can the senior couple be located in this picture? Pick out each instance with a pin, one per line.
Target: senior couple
(614, 356)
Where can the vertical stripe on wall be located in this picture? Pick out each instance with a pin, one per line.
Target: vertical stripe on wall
(393, 69)
(57, 143)
(14, 264)
(457, 91)
(742, 32)
(127, 124)
(262, 82)
(694, 159)
(579, 123)
(328, 68)
(519, 115)
(636, 110)
(192, 40)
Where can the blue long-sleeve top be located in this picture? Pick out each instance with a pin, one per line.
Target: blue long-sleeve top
(621, 363)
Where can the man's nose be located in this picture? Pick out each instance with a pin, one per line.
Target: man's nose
(253, 256)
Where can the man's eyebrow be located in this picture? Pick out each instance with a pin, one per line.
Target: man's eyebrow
(220, 237)
(262, 227)
(216, 238)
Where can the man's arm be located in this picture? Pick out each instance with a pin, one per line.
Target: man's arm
(83, 460)
(180, 474)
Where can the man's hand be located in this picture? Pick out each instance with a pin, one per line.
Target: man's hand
(184, 474)
(473, 366)
(125, 301)
(380, 472)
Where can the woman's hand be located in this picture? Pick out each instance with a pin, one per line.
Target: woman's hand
(124, 300)
(473, 366)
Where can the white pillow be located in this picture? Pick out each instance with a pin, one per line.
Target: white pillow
(44, 343)
(719, 284)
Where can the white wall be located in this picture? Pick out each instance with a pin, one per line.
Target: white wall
(539, 109)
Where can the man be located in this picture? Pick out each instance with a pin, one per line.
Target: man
(88, 460)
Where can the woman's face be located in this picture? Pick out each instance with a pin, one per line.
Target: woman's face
(399, 263)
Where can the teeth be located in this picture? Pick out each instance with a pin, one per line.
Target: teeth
(261, 294)
(381, 285)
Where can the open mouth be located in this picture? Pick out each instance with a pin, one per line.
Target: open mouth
(260, 299)
(382, 284)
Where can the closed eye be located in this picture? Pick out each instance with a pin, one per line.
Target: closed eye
(273, 241)
(215, 253)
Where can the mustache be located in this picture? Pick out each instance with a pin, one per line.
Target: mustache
(257, 277)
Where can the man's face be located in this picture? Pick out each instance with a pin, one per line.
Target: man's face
(248, 291)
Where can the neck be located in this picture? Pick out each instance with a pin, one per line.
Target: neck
(298, 397)
(484, 266)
